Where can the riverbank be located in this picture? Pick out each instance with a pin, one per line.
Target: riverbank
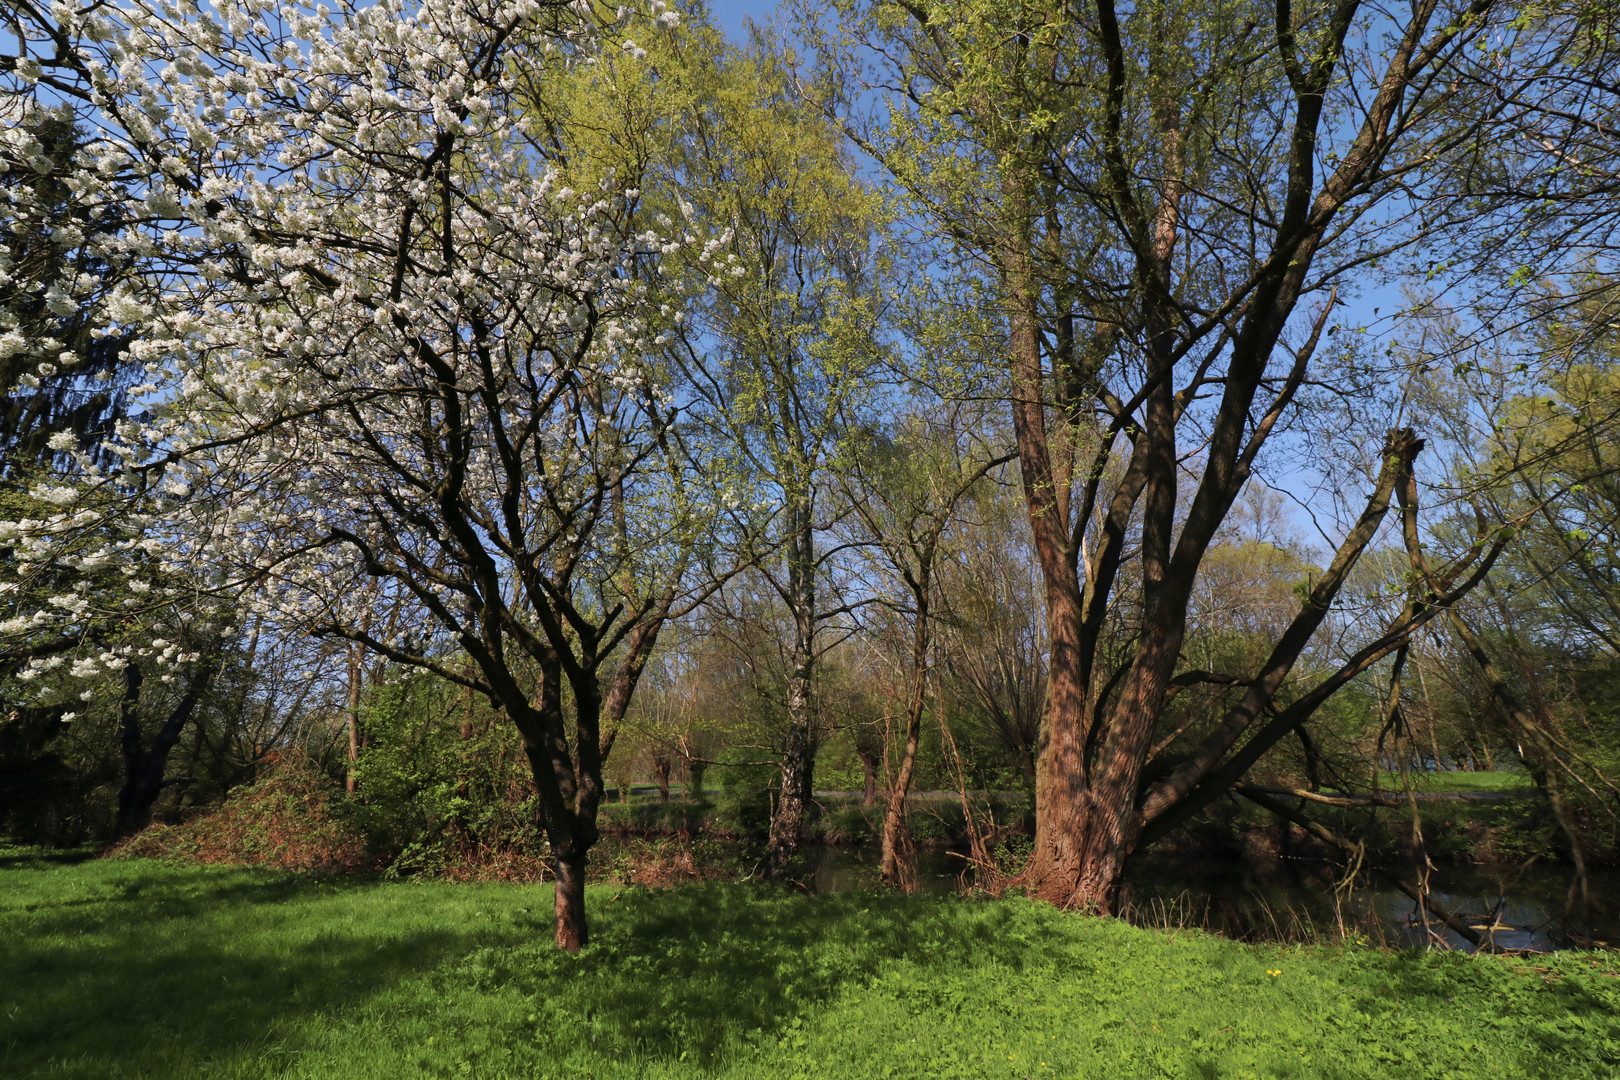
(1491, 820)
(136, 968)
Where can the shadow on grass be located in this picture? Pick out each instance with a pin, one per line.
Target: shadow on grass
(153, 970)
(44, 858)
(1556, 1012)
(172, 972)
(702, 969)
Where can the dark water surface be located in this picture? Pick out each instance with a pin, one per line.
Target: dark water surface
(1295, 899)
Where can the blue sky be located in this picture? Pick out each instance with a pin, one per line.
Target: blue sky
(730, 14)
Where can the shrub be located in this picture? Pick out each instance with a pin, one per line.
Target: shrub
(287, 820)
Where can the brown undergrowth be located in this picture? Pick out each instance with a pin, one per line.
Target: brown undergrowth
(661, 861)
(286, 820)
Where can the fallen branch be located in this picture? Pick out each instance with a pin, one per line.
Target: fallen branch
(1327, 800)
(1265, 798)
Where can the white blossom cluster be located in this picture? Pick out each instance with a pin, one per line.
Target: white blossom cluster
(385, 340)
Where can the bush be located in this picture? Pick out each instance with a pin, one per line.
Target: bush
(444, 786)
(288, 820)
(747, 793)
(848, 822)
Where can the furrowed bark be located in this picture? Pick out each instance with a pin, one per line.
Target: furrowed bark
(573, 933)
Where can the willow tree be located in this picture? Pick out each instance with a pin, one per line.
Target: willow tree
(1167, 201)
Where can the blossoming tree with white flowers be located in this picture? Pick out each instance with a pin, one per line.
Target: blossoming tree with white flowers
(394, 357)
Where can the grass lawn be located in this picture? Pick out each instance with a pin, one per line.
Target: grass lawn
(143, 969)
(1447, 780)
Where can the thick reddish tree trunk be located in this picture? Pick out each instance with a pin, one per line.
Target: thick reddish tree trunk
(1080, 848)
(1079, 860)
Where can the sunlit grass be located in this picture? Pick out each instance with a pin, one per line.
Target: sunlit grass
(134, 969)
(1448, 780)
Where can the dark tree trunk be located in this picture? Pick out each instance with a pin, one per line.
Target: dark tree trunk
(570, 783)
(349, 777)
(569, 791)
(661, 771)
(869, 766)
(1026, 765)
(787, 824)
(799, 748)
(143, 768)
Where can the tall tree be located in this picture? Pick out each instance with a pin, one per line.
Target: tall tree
(1166, 199)
(774, 352)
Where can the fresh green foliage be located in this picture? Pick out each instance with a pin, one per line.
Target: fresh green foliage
(443, 781)
(125, 969)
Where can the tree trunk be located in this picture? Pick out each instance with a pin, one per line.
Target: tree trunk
(787, 824)
(572, 932)
(1079, 859)
(799, 748)
(569, 789)
(349, 778)
(896, 835)
(143, 769)
(136, 797)
(869, 767)
(661, 770)
(895, 832)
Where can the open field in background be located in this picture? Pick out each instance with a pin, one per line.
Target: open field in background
(1460, 781)
(144, 969)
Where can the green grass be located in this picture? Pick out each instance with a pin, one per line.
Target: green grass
(1460, 781)
(141, 969)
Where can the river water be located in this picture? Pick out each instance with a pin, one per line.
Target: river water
(1296, 900)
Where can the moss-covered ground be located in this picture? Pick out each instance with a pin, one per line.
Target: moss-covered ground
(144, 969)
